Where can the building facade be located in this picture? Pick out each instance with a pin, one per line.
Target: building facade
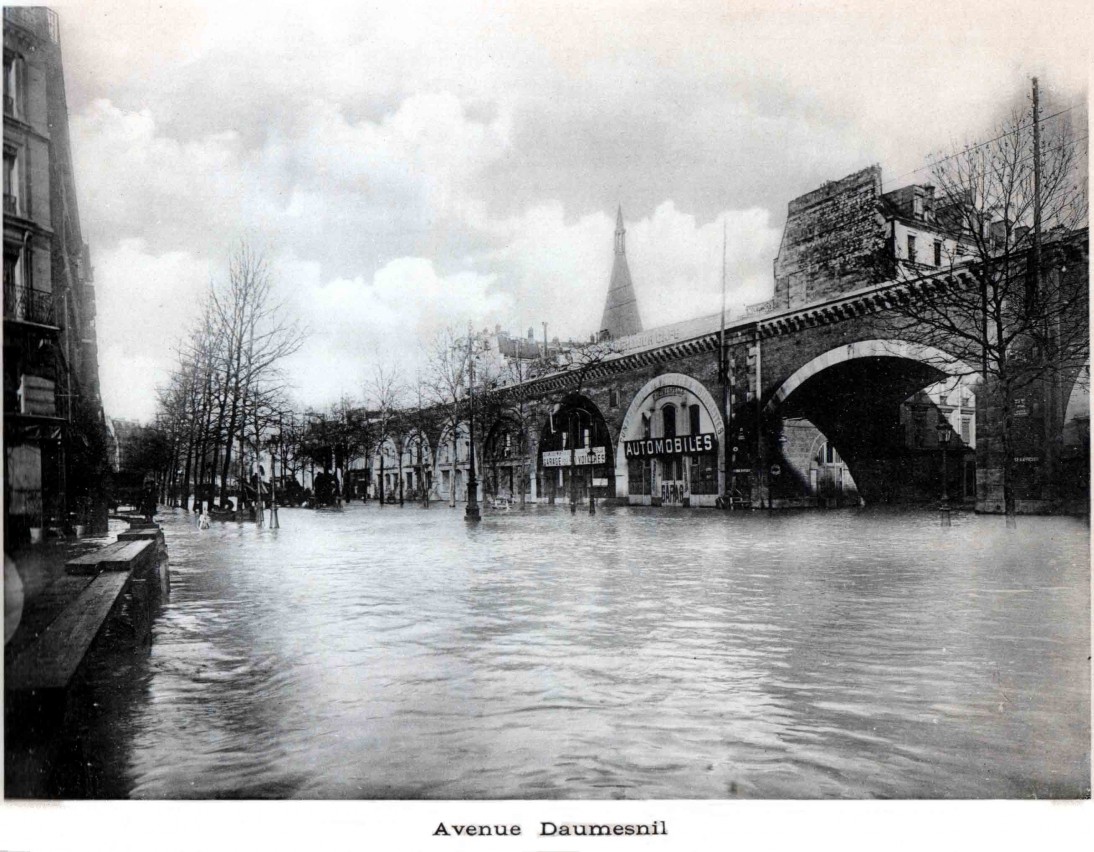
(813, 398)
(55, 442)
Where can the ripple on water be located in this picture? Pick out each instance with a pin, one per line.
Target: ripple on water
(633, 654)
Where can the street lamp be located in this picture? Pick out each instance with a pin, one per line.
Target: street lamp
(274, 446)
(944, 433)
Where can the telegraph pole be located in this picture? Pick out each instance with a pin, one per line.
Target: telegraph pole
(471, 515)
(723, 371)
(1042, 301)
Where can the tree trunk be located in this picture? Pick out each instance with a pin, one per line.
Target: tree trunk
(452, 481)
(1009, 501)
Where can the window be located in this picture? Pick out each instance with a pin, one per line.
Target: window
(937, 252)
(645, 426)
(966, 429)
(830, 454)
(13, 270)
(704, 475)
(613, 398)
(638, 476)
(11, 182)
(911, 248)
(668, 421)
(693, 419)
(13, 77)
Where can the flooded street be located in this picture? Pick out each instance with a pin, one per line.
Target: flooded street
(398, 653)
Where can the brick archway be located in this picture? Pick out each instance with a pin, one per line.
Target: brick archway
(634, 410)
(931, 355)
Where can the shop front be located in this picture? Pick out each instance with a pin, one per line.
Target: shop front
(670, 447)
(575, 454)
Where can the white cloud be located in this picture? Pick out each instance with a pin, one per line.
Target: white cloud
(417, 163)
(144, 305)
(389, 319)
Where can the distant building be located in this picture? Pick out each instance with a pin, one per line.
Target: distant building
(849, 234)
(126, 432)
(55, 442)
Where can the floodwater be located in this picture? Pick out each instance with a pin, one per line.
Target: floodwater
(640, 653)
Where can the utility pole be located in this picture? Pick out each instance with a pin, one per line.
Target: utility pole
(1036, 189)
(471, 515)
(723, 373)
(1040, 300)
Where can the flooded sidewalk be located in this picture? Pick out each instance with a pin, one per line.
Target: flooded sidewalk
(638, 653)
(36, 587)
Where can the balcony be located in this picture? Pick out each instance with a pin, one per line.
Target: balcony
(26, 304)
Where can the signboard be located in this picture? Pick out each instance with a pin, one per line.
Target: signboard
(37, 396)
(668, 390)
(600, 482)
(582, 456)
(688, 445)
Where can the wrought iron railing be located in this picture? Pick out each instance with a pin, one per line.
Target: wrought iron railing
(26, 303)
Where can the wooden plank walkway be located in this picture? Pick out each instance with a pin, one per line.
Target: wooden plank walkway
(52, 661)
(122, 555)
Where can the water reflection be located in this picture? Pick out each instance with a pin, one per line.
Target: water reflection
(636, 653)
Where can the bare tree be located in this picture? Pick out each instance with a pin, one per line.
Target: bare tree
(512, 401)
(1002, 306)
(384, 396)
(445, 386)
(256, 335)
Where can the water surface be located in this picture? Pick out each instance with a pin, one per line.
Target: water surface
(639, 653)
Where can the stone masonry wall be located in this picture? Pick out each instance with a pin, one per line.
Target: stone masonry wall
(832, 240)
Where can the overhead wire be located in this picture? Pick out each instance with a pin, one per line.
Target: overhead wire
(983, 144)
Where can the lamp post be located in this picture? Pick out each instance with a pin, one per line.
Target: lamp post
(944, 433)
(274, 446)
(471, 515)
(589, 462)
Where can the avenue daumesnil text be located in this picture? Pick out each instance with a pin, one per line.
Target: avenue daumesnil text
(554, 829)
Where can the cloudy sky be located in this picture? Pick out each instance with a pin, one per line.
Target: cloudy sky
(411, 165)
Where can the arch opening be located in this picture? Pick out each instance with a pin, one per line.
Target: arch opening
(506, 463)
(670, 446)
(575, 458)
(876, 423)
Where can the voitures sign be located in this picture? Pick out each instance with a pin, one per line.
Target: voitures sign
(685, 445)
(561, 458)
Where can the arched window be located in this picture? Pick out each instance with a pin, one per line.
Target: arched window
(693, 419)
(668, 421)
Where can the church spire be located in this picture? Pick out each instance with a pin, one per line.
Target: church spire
(620, 316)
